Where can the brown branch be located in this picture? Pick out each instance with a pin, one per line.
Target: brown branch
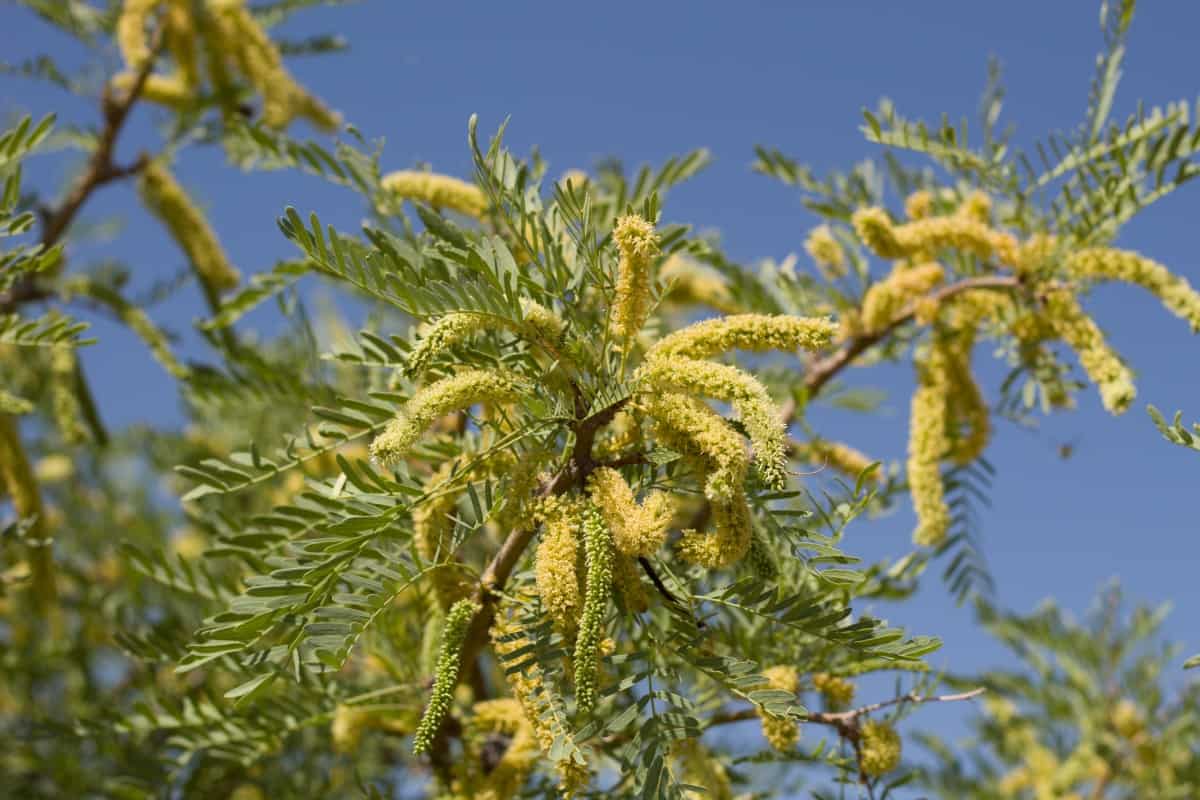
(847, 721)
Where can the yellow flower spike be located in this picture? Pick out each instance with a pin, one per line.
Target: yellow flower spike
(441, 397)
(347, 727)
(504, 716)
(64, 396)
(839, 457)
(977, 206)
(730, 541)
(131, 36)
(598, 546)
(448, 331)
(181, 40)
(967, 405)
(167, 200)
(541, 323)
(749, 398)
(885, 300)
(638, 530)
(928, 441)
(454, 633)
(164, 90)
(826, 252)
(781, 733)
(439, 191)
(638, 246)
(838, 693)
(689, 282)
(1103, 367)
(627, 580)
(689, 426)
(1036, 254)
(877, 231)
(919, 205)
(1103, 263)
(259, 60)
(701, 768)
(754, 332)
(556, 572)
(879, 749)
(958, 232)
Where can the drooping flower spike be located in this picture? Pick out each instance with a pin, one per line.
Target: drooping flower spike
(439, 191)
(454, 633)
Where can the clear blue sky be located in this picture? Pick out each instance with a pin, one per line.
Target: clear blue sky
(643, 81)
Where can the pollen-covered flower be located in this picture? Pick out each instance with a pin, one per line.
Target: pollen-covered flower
(749, 398)
(730, 540)
(840, 457)
(448, 331)
(781, 733)
(689, 282)
(439, 191)
(879, 749)
(454, 633)
(928, 441)
(556, 572)
(167, 200)
(627, 581)
(454, 393)
(957, 231)
(598, 547)
(689, 426)
(541, 323)
(837, 692)
(637, 244)
(826, 252)
(1103, 366)
(919, 204)
(638, 530)
(754, 332)
(1104, 263)
(885, 300)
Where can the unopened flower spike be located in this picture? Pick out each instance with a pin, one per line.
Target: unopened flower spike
(439, 191)
(637, 244)
(441, 397)
(598, 547)
(826, 252)
(454, 633)
(782, 733)
(638, 530)
(167, 200)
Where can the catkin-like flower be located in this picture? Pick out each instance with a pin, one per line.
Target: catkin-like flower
(928, 441)
(919, 204)
(441, 397)
(977, 206)
(131, 31)
(638, 530)
(541, 324)
(688, 282)
(165, 90)
(689, 426)
(64, 395)
(837, 692)
(826, 252)
(504, 716)
(749, 398)
(454, 633)
(432, 532)
(258, 58)
(879, 749)
(638, 245)
(967, 406)
(754, 332)
(439, 191)
(628, 585)
(181, 36)
(957, 231)
(730, 540)
(448, 331)
(840, 457)
(1104, 263)
(886, 299)
(556, 572)
(167, 200)
(598, 547)
(782, 733)
(1103, 366)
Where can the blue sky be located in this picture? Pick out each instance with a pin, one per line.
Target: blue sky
(644, 81)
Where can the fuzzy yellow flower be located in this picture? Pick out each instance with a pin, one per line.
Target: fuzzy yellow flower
(637, 244)
(928, 441)
(556, 563)
(753, 332)
(919, 204)
(837, 692)
(638, 530)
(886, 299)
(1104, 263)
(782, 733)
(689, 426)
(1102, 365)
(439, 191)
(840, 457)
(826, 252)
(879, 749)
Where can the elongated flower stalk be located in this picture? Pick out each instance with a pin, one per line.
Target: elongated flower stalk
(64, 396)
(131, 36)
(886, 299)
(959, 232)
(638, 530)
(439, 191)
(598, 546)
(689, 426)
(879, 749)
(556, 572)
(1109, 264)
(782, 733)
(637, 244)
(840, 457)
(167, 200)
(1103, 366)
(757, 333)
(437, 399)
(539, 324)
(928, 442)
(454, 633)
(730, 540)
(628, 584)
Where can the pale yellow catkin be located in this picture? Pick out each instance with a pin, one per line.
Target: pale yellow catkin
(928, 441)
(167, 200)
(454, 393)
(959, 232)
(439, 191)
(887, 299)
(1102, 365)
(826, 252)
(556, 564)
(637, 245)
(1104, 263)
(688, 282)
(181, 36)
(689, 426)
(753, 332)
(164, 90)
(782, 733)
(638, 530)
(839, 457)
(730, 540)
(131, 36)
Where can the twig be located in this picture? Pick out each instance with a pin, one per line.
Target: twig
(847, 721)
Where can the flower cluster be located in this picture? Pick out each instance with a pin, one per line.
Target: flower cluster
(879, 749)
(826, 252)
(840, 457)
(556, 572)
(885, 300)
(439, 191)
(638, 530)
(838, 693)
(638, 246)
(782, 733)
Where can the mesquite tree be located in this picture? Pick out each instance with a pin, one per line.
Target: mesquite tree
(555, 519)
